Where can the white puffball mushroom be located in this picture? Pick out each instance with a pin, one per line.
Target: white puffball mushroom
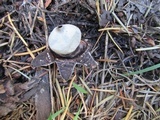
(64, 39)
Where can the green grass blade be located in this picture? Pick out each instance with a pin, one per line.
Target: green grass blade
(52, 116)
(158, 110)
(79, 88)
(144, 70)
(77, 114)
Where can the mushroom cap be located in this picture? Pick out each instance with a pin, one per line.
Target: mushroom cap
(64, 39)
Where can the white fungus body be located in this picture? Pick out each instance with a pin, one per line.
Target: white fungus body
(64, 39)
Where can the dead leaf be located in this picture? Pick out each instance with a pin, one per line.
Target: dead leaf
(105, 18)
(142, 5)
(47, 3)
(40, 18)
(9, 88)
(133, 42)
(2, 90)
(5, 109)
(150, 41)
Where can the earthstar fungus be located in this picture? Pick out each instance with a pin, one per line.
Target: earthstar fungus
(66, 49)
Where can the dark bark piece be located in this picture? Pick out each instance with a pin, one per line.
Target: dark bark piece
(42, 97)
(43, 59)
(30, 88)
(66, 68)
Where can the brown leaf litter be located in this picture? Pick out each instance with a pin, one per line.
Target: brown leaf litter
(120, 32)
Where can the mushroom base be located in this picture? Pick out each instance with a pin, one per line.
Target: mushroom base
(79, 51)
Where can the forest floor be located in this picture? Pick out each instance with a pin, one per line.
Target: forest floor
(124, 35)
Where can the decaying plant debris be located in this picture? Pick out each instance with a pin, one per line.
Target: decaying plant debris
(125, 39)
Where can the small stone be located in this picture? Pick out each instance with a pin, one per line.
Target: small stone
(64, 39)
